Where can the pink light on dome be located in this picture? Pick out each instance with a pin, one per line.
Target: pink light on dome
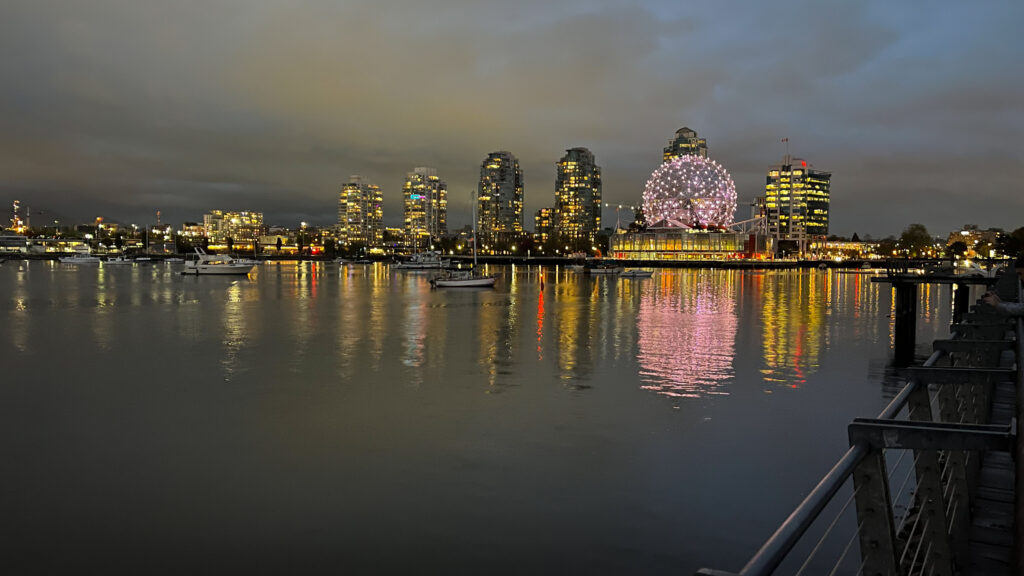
(690, 191)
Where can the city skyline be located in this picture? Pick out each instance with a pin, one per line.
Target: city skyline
(121, 109)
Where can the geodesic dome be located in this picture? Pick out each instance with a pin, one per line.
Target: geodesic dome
(690, 191)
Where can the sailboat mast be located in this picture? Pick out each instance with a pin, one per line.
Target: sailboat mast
(474, 229)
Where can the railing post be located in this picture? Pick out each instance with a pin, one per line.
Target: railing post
(874, 513)
(929, 491)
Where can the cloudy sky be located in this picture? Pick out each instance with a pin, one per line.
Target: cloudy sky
(121, 108)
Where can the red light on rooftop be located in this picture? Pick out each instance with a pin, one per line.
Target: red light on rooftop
(803, 163)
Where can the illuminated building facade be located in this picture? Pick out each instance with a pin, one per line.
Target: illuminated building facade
(685, 143)
(499, 208)
(242, 228)
(577, 197)
(360, 213)
(543, 225)
(796, 202)
(676, 243)
(425, 198)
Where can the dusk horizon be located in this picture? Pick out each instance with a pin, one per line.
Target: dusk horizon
(121, 109)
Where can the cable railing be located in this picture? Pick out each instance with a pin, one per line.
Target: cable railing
(940, 417)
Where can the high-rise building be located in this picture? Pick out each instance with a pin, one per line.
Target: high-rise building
(796, 202)
(543, 225)
(242, 228)
(425, 199)
(360, 213)
(500, 198)
(577, 197)
(685, 143)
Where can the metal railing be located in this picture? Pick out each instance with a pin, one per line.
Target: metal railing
(922, 526)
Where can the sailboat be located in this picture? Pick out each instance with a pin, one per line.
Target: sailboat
(465, 278)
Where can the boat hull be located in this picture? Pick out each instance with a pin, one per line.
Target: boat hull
(479, 282)
(219, 269)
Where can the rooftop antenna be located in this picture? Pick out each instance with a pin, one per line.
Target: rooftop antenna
(786, 141)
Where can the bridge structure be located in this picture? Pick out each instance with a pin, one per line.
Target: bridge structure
(930, 486)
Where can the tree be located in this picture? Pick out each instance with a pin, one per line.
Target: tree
(279, 244)
(1011, 244)
(231, 244)
(957, 249)
(915, 241)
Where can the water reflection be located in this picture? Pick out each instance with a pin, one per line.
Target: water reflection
(793, 311)
(233, 322)
(686, 328)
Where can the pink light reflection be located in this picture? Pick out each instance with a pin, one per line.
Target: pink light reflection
(687, 336)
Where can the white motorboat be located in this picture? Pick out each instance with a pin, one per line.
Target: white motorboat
(81, 258)
(117, 261)
(424, 261)
(203, 263)
(636, 273)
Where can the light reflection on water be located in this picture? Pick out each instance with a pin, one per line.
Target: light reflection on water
(687, 331)
(358, 399)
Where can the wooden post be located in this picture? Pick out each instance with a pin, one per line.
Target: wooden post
(874, 512)
(905, 323)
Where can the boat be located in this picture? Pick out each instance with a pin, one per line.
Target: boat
(174, 260)
(635, 273)
(603, 269)
(203, 263)
(143, 259)
(117, 261)
(342, 261)
(468, 278)
(424, 261)
(465, 278)
(81, 258)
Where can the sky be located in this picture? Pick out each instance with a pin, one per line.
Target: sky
(122, 108)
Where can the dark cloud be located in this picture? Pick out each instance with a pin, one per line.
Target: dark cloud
(125, 107)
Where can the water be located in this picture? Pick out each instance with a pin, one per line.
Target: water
(317, 419)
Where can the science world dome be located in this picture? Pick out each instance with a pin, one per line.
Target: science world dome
(690, 191)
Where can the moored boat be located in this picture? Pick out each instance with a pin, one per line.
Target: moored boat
(424, 261)
(603, 269)
(80, 259)
(117, 261)
(636, 273)
(203, 263)
(463, 279)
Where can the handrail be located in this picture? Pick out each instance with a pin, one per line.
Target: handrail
(775, 549)
(1019, 449)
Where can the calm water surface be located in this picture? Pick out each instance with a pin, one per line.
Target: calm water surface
(317, 419)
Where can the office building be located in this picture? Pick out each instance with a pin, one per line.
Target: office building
(796, 204)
